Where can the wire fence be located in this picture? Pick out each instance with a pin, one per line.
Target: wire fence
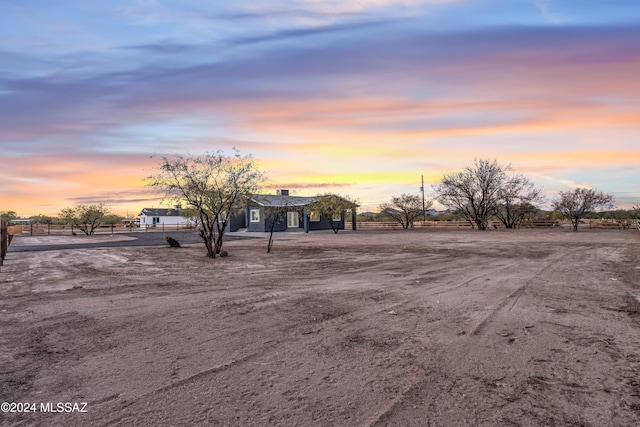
(610, 224)
(58, 229)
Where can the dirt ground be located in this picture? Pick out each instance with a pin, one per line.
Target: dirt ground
(366, 328)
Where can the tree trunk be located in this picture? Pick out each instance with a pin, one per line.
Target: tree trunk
(270, 244)
(481, 223)
(221, 228)
(206, 232)
(208, 243)
(333, 227)
(218, 243)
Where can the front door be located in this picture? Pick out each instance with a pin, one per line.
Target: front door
(292, 220)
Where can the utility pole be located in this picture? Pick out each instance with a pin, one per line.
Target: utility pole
(424, 214)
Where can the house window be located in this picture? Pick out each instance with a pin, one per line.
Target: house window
(255, 215)
(314, 216)
(156, 220)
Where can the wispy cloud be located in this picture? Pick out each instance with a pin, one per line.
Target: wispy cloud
(110, 198)
(546, 10)
(308, 31)
(386, 90)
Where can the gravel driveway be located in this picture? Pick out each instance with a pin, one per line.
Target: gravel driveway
(23, 243)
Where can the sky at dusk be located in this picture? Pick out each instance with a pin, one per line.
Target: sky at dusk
(359, 98)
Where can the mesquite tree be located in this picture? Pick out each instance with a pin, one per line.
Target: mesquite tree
(404, 209)
(474, 192)
(213, 185)
(516, 199)
(8, 215)
(485, 190)
(84, 217)
(331, 206)
(112, 220)
(575, 204)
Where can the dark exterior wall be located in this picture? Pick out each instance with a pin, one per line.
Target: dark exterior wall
(324, 224)
(280, 225)
(255, 226)
(237, 221)
(264, 224)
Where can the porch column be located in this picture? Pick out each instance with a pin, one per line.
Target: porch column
(353, 219)
(306, 222)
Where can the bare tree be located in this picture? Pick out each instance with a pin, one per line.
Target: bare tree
(213, 185)
(488, 189)
(575, 204)
(404, 209)
(332, 206)
(84, 217)
(516, 200)
(474, 192)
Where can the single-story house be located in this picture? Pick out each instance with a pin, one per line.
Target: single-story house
(159, 217)
(258, 215)
(261, 209)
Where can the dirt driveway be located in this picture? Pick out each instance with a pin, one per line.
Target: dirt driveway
(415, 328)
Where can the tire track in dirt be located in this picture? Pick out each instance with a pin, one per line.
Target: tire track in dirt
(509, 302)
(420, 295)
(352, 317)
(386, 411)
(506, 303)
(255, 303)
(140, 399)
(235, 307)
(451, 288)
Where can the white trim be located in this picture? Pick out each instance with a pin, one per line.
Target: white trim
(257, 216)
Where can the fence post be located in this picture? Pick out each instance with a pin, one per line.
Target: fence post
(4, 240)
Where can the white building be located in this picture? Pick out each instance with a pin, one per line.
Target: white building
(163, 218)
